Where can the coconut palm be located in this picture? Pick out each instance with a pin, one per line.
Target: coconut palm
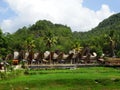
(77, 47)
(29, 44)
(111, 43)
(112, 46)
(50, 40)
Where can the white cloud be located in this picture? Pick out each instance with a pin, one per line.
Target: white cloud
(68, 12)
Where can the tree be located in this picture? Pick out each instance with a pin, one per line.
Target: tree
(29, 44)
(50, 41)
(112, 43)
(3, 44)
(77, 46)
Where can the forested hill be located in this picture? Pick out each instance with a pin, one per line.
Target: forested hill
(40, 33)
(42, 27)
(104, 27)
(44, 35)
(113, 22)
(98, 36)
(109, 24)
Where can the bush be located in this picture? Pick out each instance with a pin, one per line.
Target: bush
(3, 75)
(10, 75)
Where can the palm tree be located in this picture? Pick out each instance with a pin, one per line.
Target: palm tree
(50, 40)
(77, 47)
(112, 43)
(112, 46)
(29, 44)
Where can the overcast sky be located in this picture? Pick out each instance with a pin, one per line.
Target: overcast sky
(80, 15)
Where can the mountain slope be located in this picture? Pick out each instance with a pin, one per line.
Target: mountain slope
(110, 24)
(98, 37)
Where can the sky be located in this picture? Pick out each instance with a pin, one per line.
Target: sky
(80, 15)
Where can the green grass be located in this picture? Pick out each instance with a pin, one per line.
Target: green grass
(90, 78)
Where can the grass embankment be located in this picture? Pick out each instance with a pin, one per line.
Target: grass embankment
(92, 78)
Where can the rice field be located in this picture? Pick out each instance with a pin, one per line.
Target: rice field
(85, 78)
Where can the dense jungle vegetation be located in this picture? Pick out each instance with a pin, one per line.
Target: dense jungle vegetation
(44, 35)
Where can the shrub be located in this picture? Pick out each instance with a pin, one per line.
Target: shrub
(3, 75)
(10, 75)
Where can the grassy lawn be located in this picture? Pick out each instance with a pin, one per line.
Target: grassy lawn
(89, 78)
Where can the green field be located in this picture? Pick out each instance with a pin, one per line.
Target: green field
(87, 78)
